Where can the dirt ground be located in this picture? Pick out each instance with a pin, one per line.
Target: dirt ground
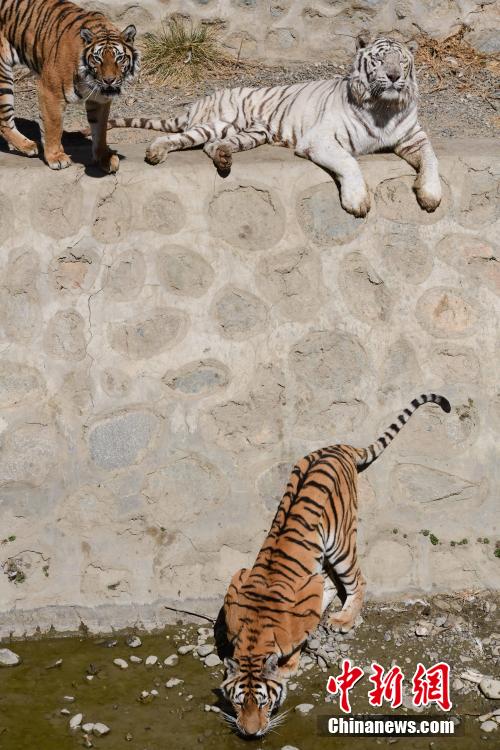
(176, 703)
(448, 108)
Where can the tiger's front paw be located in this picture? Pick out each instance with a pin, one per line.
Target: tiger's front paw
(355, 203)
(428, 199)
(109, 162)
(59, 160)
(156, 153)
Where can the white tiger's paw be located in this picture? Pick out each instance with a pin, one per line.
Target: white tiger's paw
(156, 153)
(428, 198)
(354, 203)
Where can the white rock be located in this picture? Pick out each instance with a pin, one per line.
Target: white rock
(289, 747)
(8, 658)
(75, 721)
(101, 729)
(134, 641)
(120, 663)
(171, 661)
(490, 688)
(151, 660)
(215, 709)
(205, 649)
(212, 660)
(304, 708)
(185, 649)
(69, 698)
(421, 631)
(135, 659)
(205, 632)
(88, 727)
(472, 676)
(457, 684)
(173, 682)
(155, 692)
(65, 711)
(489, 726)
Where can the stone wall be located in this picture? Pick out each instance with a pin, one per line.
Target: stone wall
(171, 342)
(279, 30)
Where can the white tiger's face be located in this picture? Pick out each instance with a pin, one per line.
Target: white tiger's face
(384, 71)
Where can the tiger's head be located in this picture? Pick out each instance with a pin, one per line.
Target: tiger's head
(383, 73)
(256, 692)
(109, 60)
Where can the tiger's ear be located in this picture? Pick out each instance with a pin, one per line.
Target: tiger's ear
(270, 665)
(412, 46)
(86, 35)
(362, 40)
(129, 33)
(232, 667)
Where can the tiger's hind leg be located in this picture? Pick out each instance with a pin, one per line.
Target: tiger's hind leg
(221, 150)
(194, 136)
(348, 573)
(8, 129)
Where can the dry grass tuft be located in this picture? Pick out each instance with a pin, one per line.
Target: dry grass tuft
(454, 60)
(182, 54)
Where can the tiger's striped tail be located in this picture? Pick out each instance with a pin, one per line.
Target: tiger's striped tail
(367, 456)
(172, 125)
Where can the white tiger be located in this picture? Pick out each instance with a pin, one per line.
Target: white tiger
(330, 122)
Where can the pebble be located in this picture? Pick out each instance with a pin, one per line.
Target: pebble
(75, 721)
(133, 641)
(457, 684)
(205, 632)
(490, 688)
(120, 663)
(69, 698)
(205, 649)
(101, 729)
(421, 631)
(185, 650)
(171, 661)
(215, 709)
(151, 660)
(155, 693)
(65, 711)
(304, 708)
(289, 747)
(173, 682)
(87, 728)
(135, 659)
(489, 726)
(8, 658)
(313, 644)
(212, 660)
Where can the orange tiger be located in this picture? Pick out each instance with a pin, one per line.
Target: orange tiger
(77, 55)
(270, 610)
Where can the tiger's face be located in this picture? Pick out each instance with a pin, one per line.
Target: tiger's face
(108, 62)
(383, 71)
(255, 694)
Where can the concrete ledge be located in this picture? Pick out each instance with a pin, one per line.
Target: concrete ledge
(170, 342)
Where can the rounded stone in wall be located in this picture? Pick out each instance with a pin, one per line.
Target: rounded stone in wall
(112, 214)
(19, 383)
(198, 378)
(20, 314)
(6, 215)
(432, 489)
(238, 313)
(65, 336)
(247, 217)
(396, 201)
(473, 257)
(282, 38)
(74, 270)
(446, 312)
(186, 489)
(364, 292)
(405, 254)
(121, 439)
(114, 382)
(331, 360)
(271, 484)
(164, 213)
(125, 277)
(400, 368)
(480, 200)
(27, 454)
(183, 271)
(292, 281)
(323, 219)
(57, 209)
(454, 363)
(324, 420)
(23, 269)
(146, 335)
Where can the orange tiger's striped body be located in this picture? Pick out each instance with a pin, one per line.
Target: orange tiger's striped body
(271, 609)
(77, 55)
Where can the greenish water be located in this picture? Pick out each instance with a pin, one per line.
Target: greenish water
(31, 696)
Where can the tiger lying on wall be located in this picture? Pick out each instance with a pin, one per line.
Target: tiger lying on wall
(270, 610)
(77, 55)
(329, 122)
